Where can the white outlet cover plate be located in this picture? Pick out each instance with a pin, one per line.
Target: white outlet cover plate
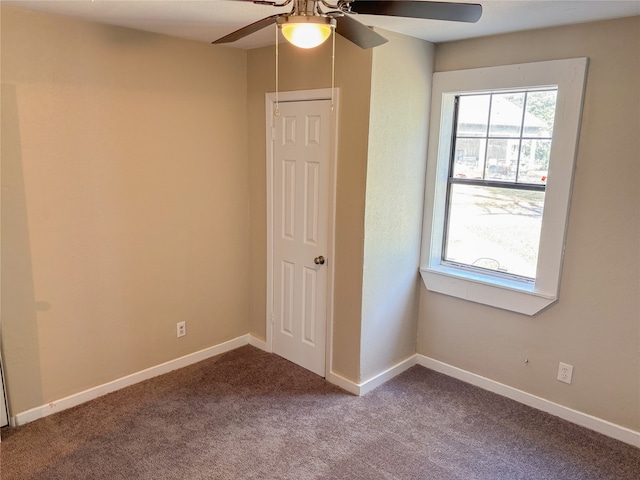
(182, 329)
(565, 372)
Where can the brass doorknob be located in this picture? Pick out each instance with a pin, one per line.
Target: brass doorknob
(319, 260)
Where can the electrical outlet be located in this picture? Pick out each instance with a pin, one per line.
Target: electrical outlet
(565, 372)
(182, 329)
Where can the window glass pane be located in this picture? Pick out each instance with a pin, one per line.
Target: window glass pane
(469, 158)
(473, 115)
(541, 110)
(506, 114)
(534, 161)
(502, 160)
(494, 228)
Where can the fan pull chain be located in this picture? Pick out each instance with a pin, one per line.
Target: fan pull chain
(333, 67)
(276, 111)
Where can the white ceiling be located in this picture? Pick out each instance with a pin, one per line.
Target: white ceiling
(207, 20)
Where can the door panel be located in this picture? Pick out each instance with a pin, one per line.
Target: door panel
(301, 205)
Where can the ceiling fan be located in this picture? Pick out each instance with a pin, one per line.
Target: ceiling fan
(310, 22)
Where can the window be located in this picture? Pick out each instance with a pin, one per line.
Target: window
(498, 172)
(502, 149)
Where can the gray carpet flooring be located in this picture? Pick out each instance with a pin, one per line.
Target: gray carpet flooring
(247, 414)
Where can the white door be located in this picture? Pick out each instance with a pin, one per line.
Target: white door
(301, 205)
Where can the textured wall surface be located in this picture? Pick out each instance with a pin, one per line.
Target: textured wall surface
(595, 325)
(400, 95)
(124, 202)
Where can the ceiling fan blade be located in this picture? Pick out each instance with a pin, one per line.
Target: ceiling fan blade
(360, 34)
(248, 30)
(457, 12)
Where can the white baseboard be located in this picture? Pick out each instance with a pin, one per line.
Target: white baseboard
(387, 375)
(375, 381)
(258, 343)
(599, 425)
(596, 424)
(344, 383)
(95, 392)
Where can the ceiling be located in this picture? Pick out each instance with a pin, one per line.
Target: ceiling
(207, 20)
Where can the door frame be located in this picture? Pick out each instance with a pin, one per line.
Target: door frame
(270, 101)
(4, 411)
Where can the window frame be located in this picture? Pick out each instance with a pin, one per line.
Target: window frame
(498, 290)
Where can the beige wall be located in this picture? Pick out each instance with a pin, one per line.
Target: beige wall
(124, 202)
(400, 92)
(595, 325)
(303, 70)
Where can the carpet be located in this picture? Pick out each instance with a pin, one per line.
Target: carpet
(248, 414)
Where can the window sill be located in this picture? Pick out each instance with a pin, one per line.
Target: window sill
(504, 294)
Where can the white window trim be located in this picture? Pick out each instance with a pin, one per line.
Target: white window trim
(511, 294)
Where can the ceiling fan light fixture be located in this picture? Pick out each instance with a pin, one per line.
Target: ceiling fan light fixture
(306, 31)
